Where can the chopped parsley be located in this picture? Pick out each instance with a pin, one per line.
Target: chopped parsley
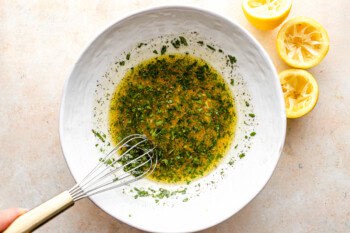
(183, 40)
(232, 59)
(176, 43)
(175, 100)
(211, 47)
(98, 135)
(163, 50)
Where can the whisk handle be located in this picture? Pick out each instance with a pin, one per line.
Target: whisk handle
(41, 214)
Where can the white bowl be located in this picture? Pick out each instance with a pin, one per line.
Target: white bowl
(225, 191)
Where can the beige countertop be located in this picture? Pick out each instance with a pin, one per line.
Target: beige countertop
(41, 40)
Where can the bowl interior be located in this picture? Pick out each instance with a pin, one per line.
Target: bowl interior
(203, 205)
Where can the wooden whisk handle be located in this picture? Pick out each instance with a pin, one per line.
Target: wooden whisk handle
(41, 214)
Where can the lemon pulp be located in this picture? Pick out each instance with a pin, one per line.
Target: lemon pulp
(302, 42)
(300, 92)
(266, 14)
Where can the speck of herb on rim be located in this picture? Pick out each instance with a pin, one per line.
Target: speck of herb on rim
(252, 134)
(163, 50)
(211, 47)
(98, 135)
(183, 40)
(241, 156)
(231, 162)
(232, 59)
(251, 115)
(176, 43)
(140, 45)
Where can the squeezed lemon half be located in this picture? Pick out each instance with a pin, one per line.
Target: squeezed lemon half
(266, 14)
(302, 42)
(300, 92)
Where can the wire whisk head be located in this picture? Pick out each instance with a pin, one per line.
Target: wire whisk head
(132, 159)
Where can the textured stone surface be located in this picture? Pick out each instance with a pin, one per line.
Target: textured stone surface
(41, 40)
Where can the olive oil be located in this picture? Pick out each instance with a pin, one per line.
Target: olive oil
(184, 106)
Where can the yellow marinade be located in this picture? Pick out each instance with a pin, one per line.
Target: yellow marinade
(184, 106)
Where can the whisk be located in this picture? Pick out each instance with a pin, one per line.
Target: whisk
(137, 160)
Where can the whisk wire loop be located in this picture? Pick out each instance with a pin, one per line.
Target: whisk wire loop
(117, 172)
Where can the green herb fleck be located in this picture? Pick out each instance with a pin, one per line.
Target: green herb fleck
(231, 162)
(252, 115)
(252, 134)
(98, 135)
(183, 40)
(232, 59)
(211, 47)
(128, 56)
(122, 63)
(140, 45)
(232, 82)
(241, 156)
(141, 193)
(175, 43)
(162, 193)
(163, 50)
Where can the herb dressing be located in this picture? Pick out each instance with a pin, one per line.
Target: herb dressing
(184, 106)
